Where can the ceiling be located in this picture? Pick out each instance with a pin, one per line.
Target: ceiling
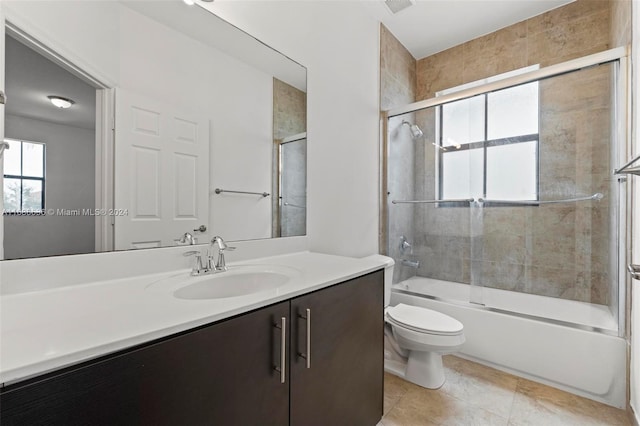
(431, 26)
(30, 78)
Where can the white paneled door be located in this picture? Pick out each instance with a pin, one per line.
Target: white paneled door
(161, 172)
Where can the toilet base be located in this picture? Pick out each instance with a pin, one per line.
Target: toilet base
(425, 369)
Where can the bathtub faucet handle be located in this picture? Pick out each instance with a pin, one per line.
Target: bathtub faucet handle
(405, 245)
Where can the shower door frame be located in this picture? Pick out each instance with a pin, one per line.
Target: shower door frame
(622, 150)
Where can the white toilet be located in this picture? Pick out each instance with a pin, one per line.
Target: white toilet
(417, 337)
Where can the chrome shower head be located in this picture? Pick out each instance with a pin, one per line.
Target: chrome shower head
(416, 132)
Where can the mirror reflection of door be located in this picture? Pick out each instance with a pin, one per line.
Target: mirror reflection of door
(292, 186)
(45, 207)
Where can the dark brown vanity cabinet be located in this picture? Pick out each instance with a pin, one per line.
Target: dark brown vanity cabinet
(343, 384)
(230, 372)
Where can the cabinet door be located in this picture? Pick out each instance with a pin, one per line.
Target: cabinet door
(344, 384)
(219, 375)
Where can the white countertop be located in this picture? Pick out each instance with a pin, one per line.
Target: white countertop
(42, 331)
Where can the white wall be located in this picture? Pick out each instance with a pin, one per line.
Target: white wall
(96, 50)
(2, 72)
(338, 43)
(67, 148)
(634, 397)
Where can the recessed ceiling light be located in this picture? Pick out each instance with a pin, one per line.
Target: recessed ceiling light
(189, 2)
(61, 102)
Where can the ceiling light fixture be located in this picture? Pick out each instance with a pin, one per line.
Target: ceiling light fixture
(61, 102)
(189, 2)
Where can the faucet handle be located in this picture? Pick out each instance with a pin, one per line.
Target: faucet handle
(197, 265)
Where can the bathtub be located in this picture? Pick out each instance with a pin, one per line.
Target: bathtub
(570, 345)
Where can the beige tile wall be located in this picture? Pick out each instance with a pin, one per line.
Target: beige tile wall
(397, 72)
(553, 250)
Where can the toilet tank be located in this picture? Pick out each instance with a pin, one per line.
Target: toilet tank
(388, 274)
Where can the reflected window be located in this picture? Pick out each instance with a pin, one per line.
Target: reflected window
(24, 177)
(489, 143)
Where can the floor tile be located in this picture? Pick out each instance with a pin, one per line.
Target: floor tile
(394, 389)
(536, 404)
(478, 395)
(479, 386)
(432, 407)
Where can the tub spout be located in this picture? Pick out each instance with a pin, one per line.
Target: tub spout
(410, 263)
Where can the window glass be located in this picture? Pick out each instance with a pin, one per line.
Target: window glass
(513, 112)
(12, 158)
(512, 172)
(462, 173)
(490, 143)
(463, 121)
(31, 194)
(11, 194)
(24, 181)
(32, 159)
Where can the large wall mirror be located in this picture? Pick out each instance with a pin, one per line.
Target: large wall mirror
(132, 123)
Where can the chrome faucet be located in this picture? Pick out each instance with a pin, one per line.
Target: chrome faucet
(209, 267)
(186, 239)
(220, 264)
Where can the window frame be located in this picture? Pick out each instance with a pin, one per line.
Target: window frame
(484, 144)
(22, 211)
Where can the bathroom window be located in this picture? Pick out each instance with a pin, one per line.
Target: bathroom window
(24, 177)
(488, 144)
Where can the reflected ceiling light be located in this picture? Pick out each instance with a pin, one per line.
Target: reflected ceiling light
(60, 102)
(189, 2)
(396, 6)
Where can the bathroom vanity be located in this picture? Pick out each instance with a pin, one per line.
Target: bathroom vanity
(307, 353)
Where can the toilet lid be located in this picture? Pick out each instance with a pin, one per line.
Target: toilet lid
(423, 319)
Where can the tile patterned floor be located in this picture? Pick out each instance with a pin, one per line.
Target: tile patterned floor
(478, 395)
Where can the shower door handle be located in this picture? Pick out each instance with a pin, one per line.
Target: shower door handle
(634, 270)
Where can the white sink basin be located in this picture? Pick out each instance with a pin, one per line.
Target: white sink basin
(221, 286)
(236, 282)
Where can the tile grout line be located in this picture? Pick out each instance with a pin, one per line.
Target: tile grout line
(394, 405)
(513, 402)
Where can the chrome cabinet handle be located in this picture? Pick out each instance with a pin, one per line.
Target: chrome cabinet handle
(307, 355)
(634, 270)
(283, 349)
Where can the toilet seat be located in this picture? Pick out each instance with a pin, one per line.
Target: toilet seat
(423, 320)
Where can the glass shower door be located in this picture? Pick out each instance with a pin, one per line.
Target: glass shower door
(292, 186)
